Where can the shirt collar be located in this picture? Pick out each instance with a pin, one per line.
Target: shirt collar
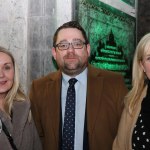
(82, 77)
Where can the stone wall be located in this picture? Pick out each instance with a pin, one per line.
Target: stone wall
(13, 32)
(44, 18)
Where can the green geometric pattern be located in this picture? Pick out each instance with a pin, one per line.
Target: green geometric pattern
(112, 36)
(130, 2)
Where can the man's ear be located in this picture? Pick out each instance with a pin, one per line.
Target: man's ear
(88, 49)
(54, 53)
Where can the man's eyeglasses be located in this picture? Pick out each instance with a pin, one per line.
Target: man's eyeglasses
(75, 45)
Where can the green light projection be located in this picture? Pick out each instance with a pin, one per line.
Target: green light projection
(130, 2)
(112, 36)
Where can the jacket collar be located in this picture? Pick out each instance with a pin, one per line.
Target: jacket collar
(21, 110)
(54, 84)
(94, 90)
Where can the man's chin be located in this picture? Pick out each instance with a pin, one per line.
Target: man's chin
(71, 71)
(71, 66)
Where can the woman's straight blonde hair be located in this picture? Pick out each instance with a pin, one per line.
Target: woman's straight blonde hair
(15, 93)
(138, 75)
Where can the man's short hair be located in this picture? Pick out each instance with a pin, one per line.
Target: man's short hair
(70, 24)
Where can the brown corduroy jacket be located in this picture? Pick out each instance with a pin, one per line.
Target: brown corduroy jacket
(105, 94)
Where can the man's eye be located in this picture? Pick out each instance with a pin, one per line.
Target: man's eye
(78, 44)
(63, 45)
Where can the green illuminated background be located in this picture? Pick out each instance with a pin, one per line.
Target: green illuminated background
(112, 36)
(130, 2)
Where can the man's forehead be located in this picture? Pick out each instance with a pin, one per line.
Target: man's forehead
(73, 40)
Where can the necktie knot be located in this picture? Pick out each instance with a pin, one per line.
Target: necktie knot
(72, 81)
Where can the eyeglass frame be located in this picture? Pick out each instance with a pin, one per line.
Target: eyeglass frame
(70, 43)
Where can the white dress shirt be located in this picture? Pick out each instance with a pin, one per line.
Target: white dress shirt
(81, 89)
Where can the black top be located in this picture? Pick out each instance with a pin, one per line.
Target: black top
(141, 132)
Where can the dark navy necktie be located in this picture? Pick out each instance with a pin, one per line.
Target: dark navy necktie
(69, 118)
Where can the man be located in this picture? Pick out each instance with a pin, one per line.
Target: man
(98, 96)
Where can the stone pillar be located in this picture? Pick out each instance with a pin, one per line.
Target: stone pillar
(13, 33)
(44, 18)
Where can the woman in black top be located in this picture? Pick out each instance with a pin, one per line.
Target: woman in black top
(134, 128)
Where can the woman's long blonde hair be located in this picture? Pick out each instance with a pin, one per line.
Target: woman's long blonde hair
(15, 93)
(138, 75)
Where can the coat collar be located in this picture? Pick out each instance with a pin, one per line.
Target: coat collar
(54, 102)
(21, 110)
(94, 90)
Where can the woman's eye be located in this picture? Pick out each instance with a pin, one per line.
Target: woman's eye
(148, 58)
(7, 67)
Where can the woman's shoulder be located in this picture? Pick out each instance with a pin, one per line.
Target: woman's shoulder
(22, 103)
(21, 108)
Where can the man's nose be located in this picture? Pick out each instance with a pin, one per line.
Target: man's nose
(70, 48)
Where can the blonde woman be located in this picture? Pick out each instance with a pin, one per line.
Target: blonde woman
(17, 129)
(134, 128)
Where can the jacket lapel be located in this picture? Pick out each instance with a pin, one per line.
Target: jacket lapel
(94, 90)
(20, 117)
(54, 97)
